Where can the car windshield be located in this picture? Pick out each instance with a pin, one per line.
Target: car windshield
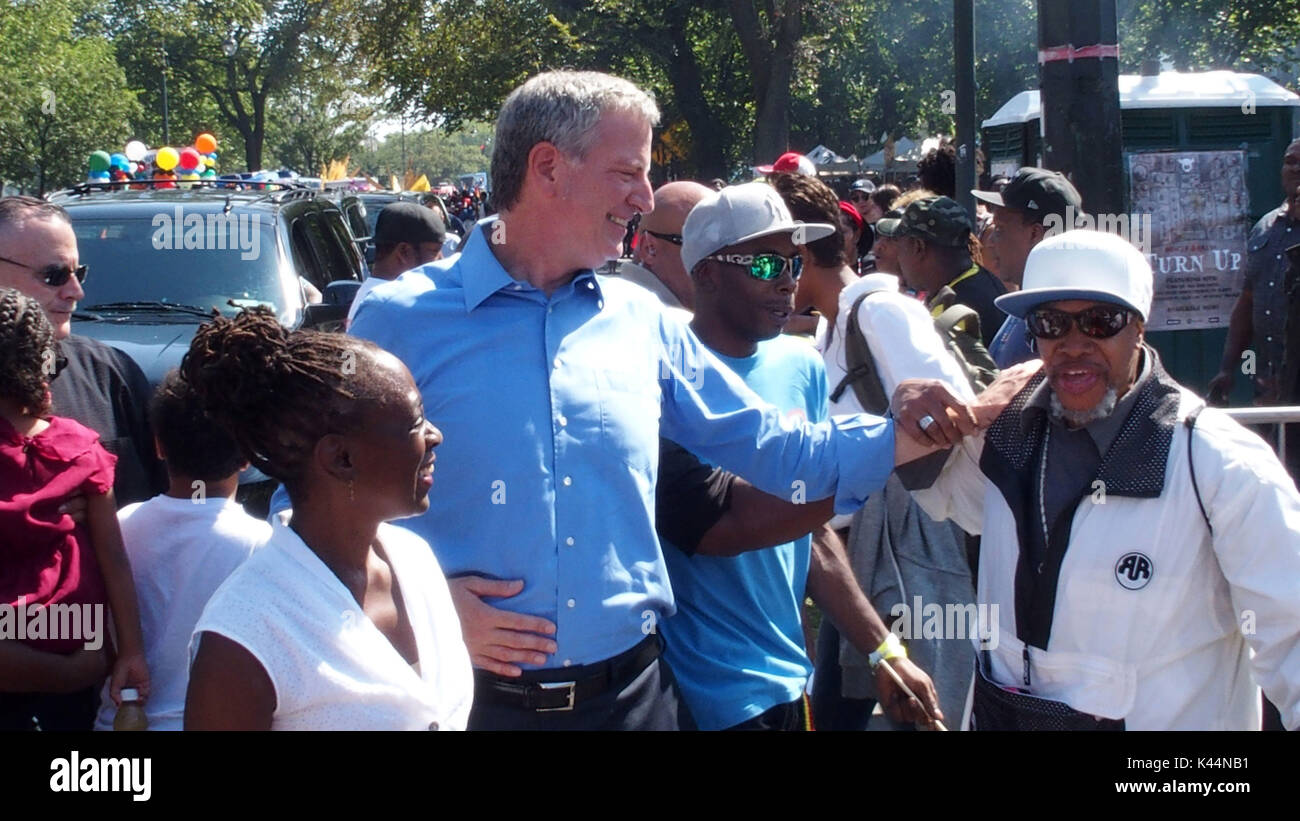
(225, 259)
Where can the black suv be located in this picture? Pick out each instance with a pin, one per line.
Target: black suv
(160, 261)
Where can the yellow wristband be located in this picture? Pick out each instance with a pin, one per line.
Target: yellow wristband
(890, 648)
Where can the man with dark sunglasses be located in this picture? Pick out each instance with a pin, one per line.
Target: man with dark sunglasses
(99, 386)
(1143, 551)
(656, 263)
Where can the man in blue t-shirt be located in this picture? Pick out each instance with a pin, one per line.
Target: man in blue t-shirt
(736, 642)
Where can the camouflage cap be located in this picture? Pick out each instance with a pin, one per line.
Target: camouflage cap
(939, 220)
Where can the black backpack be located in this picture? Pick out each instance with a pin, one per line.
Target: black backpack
(959, 328)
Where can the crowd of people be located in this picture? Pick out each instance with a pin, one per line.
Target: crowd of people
(644, 473)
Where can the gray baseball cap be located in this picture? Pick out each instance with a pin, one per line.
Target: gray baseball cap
(739, 213)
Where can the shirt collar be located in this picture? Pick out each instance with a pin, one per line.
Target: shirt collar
(482, 274)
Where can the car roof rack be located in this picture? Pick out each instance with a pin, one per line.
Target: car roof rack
(151, 184)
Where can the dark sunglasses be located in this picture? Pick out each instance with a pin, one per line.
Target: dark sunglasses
(53, 275)
(1097, 322)
(766, 267)
(675, 239)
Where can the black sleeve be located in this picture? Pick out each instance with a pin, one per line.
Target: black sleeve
(690, 497)
(920, 474)
(131, 404)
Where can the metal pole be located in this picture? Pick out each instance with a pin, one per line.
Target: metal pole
(166, 134)
(964, 63)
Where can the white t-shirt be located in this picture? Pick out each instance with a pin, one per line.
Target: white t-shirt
(901, 335)
(904, 345)
(180, 551)
(367, 285)
(330, 666)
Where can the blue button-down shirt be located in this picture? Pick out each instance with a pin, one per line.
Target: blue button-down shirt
(551, 409)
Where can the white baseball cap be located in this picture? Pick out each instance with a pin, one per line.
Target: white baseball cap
(739, 213)
(1082, 264)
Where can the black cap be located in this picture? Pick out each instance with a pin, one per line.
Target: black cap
(1036, 191)
(408, 222)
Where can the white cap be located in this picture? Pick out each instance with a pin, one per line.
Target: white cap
(1082, 264)
(739, 213)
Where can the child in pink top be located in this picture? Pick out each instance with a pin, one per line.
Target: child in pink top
(55, 574)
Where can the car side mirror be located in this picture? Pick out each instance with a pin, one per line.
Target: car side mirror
(341, 292)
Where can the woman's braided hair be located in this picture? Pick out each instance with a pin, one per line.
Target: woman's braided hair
(27, 352)
(277, 391)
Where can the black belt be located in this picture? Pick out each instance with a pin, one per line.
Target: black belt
(587, 681)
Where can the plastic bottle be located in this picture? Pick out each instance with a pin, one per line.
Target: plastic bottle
(130, 716)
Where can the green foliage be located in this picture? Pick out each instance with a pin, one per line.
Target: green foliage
(434, 152)
(62, 96)
(1258, 36)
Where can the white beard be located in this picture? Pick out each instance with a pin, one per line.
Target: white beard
(1078, 419)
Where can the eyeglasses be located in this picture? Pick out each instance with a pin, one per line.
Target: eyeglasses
(675, 239)
(53, 275)
(1097, 322)
(766, 267)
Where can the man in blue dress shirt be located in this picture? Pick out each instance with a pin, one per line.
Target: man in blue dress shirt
(551, 386)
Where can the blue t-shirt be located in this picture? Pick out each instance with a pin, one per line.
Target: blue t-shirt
(736, 643)
(1010, 346)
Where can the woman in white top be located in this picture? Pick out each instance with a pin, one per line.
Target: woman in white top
(341, 621)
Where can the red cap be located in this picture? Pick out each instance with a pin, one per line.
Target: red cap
(848, 208)
(791, 162)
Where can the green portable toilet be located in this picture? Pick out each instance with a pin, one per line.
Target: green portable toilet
(1169, 121)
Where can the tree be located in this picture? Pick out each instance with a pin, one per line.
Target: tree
(241, 54)
(63, 96)
(316, 122)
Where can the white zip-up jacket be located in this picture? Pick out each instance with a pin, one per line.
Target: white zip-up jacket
(1155, 621)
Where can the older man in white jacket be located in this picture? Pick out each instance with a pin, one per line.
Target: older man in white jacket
(1143, 550)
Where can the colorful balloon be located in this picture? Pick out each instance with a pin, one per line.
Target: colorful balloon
(189, 158)
(205, 143)
(167, 158)
(118, 161)
(135, 150)
(98, 161)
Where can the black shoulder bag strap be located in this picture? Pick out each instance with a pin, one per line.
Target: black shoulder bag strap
(861, 375)
(1190, 424)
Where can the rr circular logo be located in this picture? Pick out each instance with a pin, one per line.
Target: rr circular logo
(1133, 571)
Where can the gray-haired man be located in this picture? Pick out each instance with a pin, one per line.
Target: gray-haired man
(551, 386)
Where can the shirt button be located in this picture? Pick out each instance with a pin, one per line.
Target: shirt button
(433, 725)
(557, 362)
(569, 541)
(1270, 285)
(568, 480)
(568, 662)
(1268, 339)
(590, 285)
(563, 421)
(571, 603)
(600, 303)
(1267, 312)
(1279, 256)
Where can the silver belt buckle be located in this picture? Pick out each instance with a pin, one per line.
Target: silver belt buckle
(556, 685)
